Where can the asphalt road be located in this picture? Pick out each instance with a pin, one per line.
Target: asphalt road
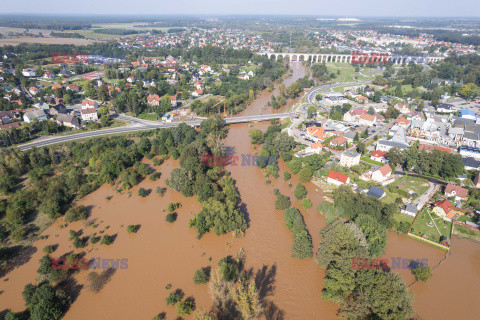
(139, 125)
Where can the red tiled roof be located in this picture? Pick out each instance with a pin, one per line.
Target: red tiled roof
(86, 103)
(337, 176)
(89, 111)
(402, 120)
(445, 205)
(459, 191)
(429, 147)
(153, 97)
(386, 169)
(378, 153)
(339, 141)
(368, 117)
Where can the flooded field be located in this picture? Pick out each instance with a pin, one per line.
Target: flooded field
(164, 253)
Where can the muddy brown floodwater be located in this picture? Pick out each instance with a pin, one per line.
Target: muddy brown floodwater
(162, 253)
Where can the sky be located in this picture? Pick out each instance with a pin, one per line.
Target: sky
(342, 8)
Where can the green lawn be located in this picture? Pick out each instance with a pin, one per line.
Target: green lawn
(148, 116)
(425, 226)
(414, 184)
(389, 197)
(466, 232)
(400, 217)
(377, 163)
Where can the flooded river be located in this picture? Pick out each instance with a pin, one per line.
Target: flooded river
(164, 253)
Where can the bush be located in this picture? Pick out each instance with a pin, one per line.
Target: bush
(161, 191)
(94, 239)
(174, 297)
(143, 192)
(157, 161)
(300, 191)
(422, 272)
(172, 206)
(186, 307)
(76, 213)
(286, 176)
(48, 249)
(107, 240)
(171, 217)
(201, 276)
(155, 176)
(282, 202)
(306, 203)
(132, 229)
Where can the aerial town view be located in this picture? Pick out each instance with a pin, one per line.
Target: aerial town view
(217, 160)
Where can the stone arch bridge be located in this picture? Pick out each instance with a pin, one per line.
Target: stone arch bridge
(351, 58)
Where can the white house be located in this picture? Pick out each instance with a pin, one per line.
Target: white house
(382, 174)
(39, 114)
(89, 114)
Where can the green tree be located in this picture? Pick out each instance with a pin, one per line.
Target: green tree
(306, 174)
(422, 272)
(300, 191)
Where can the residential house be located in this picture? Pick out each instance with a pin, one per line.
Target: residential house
(444, 209)
(349, 159)
(89, 114)
(458, 192)
(57, 109)
(376, 192)
(314, 148)
(33, 91)
(48, 75)
(338, 141)
(73, 87)
(367, 120)
(197, 93)
(402, 122)
(402, 107)
(382, 174)
(316, 133)
(361, 99)
(379, 156)
(446, 108)
(28, 73)
(174, 99)
(337, 178)
(131, 79)
(428, 147)
(38, 114)
(67, 120)
(153, 100)
(410, 210)
(89, 104)
(471, 163)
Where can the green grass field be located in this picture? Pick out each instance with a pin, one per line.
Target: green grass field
(376, 163)
(465, 232)
(424, 225)
(414, 184)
